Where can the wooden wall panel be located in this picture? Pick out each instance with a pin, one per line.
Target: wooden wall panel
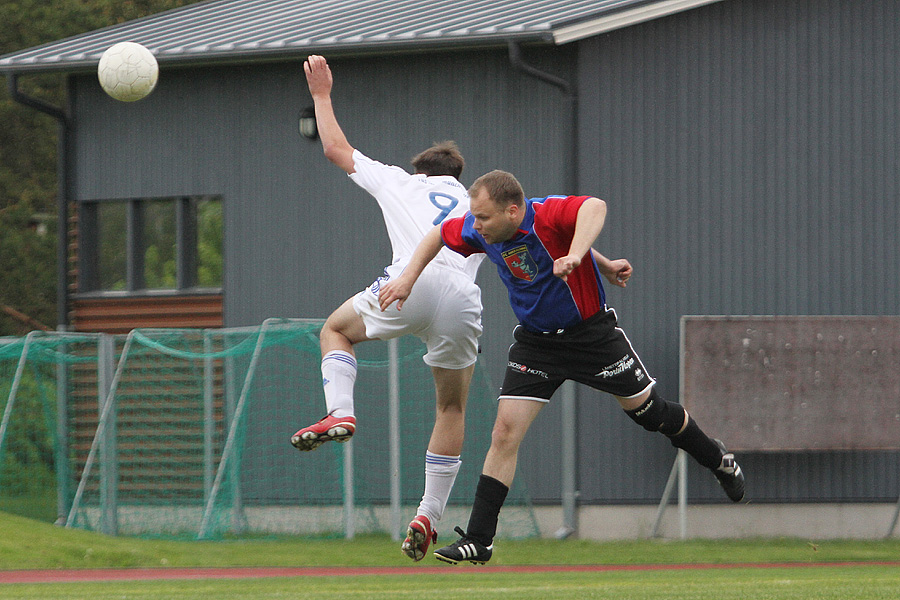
(121, 315)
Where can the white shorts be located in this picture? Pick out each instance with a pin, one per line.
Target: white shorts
(443, 310)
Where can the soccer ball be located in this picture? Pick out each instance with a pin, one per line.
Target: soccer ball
(127, 71)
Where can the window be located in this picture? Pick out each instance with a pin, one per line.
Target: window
(112, 240)
(150, 244)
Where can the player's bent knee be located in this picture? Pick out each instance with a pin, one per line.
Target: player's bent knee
(656, 414)
(453, 407)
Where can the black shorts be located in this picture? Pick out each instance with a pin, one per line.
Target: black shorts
(596, 352)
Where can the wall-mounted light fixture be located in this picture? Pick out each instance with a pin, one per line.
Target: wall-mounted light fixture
(307, 123)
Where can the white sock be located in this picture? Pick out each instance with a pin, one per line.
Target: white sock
(338, 377)
(440, 474)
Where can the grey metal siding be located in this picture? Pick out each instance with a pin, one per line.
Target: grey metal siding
(748, 154)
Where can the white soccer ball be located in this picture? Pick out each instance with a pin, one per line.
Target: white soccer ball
(128, 71)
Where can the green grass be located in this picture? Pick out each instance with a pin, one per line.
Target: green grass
(807, 583)
(28, 544)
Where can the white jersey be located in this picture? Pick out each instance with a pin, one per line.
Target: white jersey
(412, 205)
(444, 307)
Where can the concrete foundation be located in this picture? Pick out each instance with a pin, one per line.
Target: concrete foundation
(811, 521)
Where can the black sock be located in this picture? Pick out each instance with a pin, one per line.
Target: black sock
(699, 445)
(489, 497)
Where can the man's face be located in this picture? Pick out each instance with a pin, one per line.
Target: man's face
(495, 224)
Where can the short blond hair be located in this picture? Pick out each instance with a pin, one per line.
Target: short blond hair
(502, 188)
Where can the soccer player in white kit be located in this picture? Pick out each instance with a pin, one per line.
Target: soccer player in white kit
(444, 311)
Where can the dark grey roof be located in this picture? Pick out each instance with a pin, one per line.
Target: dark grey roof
(242, 30)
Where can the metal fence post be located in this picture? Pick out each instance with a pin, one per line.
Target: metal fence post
(349, 499)
(569, 455)
(61, 458)
(394, 417)
(109, 472)
(209, 424)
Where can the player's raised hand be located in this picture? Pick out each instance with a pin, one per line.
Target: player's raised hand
(394, 290)
(564, 265)
(318, 75)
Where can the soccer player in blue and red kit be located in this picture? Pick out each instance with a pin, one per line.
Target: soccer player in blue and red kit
(542, 249)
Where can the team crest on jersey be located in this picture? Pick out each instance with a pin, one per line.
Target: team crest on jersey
(520, 263)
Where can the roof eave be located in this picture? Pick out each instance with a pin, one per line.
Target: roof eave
(237, 56)
(622, 19)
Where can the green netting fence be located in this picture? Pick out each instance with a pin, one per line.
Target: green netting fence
(40, 382)
(186, 433)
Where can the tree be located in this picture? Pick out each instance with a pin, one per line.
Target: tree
(27, 269)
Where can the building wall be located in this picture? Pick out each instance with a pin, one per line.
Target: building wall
(748, 154)
(122, 314)
(746, 151)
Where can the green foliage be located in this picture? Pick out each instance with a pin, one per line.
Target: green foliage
(159, 235)
(159, 267)
(210, 233)
(113, 245)
(27, 156)
(27, 269)
(29, 23)
(26, 457)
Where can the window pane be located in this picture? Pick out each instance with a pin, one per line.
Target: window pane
(156, 245)
(159, 244)
(112, 255)
(210, 227)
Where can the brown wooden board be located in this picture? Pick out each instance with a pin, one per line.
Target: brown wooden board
(783, 383)
(121, 315)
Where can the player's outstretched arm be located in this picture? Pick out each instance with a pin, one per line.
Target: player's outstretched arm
(617, 271)
(399, 289)
(588, 225)
(334, 143)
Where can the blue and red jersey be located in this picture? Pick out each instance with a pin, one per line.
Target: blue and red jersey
(540, 300)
